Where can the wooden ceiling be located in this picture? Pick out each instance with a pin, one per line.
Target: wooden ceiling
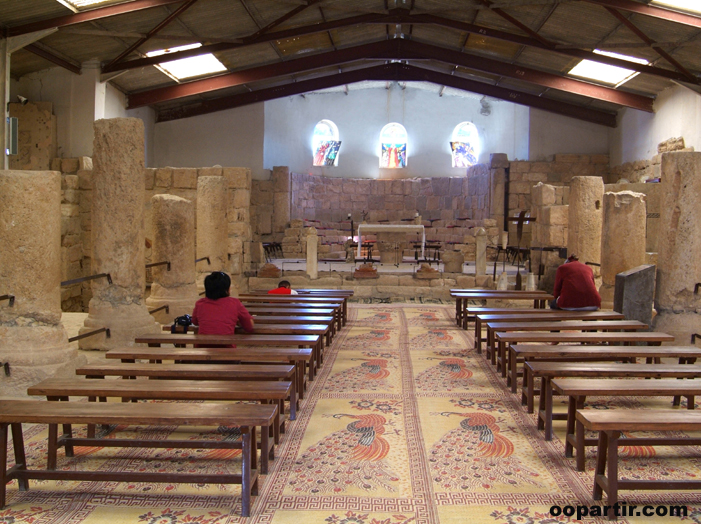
(515, 50)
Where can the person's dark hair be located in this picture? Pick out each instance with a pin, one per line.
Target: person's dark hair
(216, 285)
(284, 283)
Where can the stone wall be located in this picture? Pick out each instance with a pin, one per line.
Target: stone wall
(549, 207)
(270, 205)
(37, 143)
(76, 202)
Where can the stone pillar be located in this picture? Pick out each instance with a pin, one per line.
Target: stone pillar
(32, 339)
(118, 240)
(480, 252)
(453, 261)
(634, 292)
(212, 225)
(281, 199)
(622, 239)
(585, 217)
(678, 302)
(174, 242)
(312, 249)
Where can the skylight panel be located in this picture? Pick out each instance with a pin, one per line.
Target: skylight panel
(189, 67)
(605, 73)
(82, 5)
(693, 6)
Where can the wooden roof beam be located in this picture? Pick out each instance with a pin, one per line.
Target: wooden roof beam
(392, 73)
(89, 16)
(396, 49)
(650, 10)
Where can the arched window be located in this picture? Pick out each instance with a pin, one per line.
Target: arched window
(325, 144)
(393, 140)
(465, 145)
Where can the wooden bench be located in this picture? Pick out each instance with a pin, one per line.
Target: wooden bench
(579, 389)
(258, 341)
(323, 330)
(306, 301)
(586, 353)
(600, 337)
(282, 319)
(538, 315)
(14, 413)
(539, 298)
(298, 357)
(610, 425)
(554, 326)
(550, 370)
(266, 392)
(327, 293)
(249, 372)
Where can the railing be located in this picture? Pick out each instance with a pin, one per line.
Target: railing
(203, 258)
(11, 298)
(85, 279)
(91, 333)
(694, 336)
(166, 307)
(154, 264)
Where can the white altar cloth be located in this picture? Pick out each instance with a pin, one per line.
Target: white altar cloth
(391, 228)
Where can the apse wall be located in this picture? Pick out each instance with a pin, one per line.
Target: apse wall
(429, 120)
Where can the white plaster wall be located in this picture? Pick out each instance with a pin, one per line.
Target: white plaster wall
(677, 113)
(231, 138)
(148, 115)
(552, 134)
(115, 102)
(360, 115)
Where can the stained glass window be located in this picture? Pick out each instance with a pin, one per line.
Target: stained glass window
(393, 140)
(465, 145)
(325, 144)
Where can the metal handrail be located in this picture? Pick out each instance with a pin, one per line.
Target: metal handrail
(85, 279)
(694, 336)
(166, 307)
(154, 264)
(11, 298)
(203, 258)
(91, 333)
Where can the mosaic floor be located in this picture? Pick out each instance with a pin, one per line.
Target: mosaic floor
(405, 424)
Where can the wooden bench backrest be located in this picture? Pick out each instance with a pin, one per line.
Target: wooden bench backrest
(601, 336)
(191, 371)
(245, 354)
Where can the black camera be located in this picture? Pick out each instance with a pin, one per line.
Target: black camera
(180, 324)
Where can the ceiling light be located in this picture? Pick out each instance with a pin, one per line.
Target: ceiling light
(605, 73)
(188, 67)
(683, 5)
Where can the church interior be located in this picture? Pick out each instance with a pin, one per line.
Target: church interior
(418, 171)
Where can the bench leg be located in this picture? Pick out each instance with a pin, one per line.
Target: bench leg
(20, 459)
(571, 411)
(579, 435)
(3, 462)
(530, 389)
(602, 448)
(52, 446)
(612, 495)
(293, 399)
(246, 463)
(548, 422)
(478, 335)
(513, 361)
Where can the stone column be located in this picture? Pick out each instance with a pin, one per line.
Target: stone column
(480, 252)
(677, 300)
(312, 248)
(174, 242)
(118, 240)
(622, 239)
(32, 339)
(585, 217)
(212, 225)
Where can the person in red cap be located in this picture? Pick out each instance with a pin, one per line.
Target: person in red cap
(575, 289)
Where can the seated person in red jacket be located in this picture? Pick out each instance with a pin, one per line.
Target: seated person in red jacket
(283, 288)
(218, 313)
(575, 289)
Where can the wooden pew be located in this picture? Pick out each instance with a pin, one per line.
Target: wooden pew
(269, 341)
(323, 330)
(610, 425)
(550, 370)
(306, 301)
(266, 392)
(331, 293)
(298, 357)
(14, 413)
(538, 315)
(461, 303)
(251, 372)
(555, 326)
(600, 337)
(579, 389)
(539, 298)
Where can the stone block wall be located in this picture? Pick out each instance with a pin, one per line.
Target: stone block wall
(76, 201)
(549, 206)
(270, 205)
(182, 182)
(37, 143)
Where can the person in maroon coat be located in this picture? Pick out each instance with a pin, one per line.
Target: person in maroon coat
(575, 289)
